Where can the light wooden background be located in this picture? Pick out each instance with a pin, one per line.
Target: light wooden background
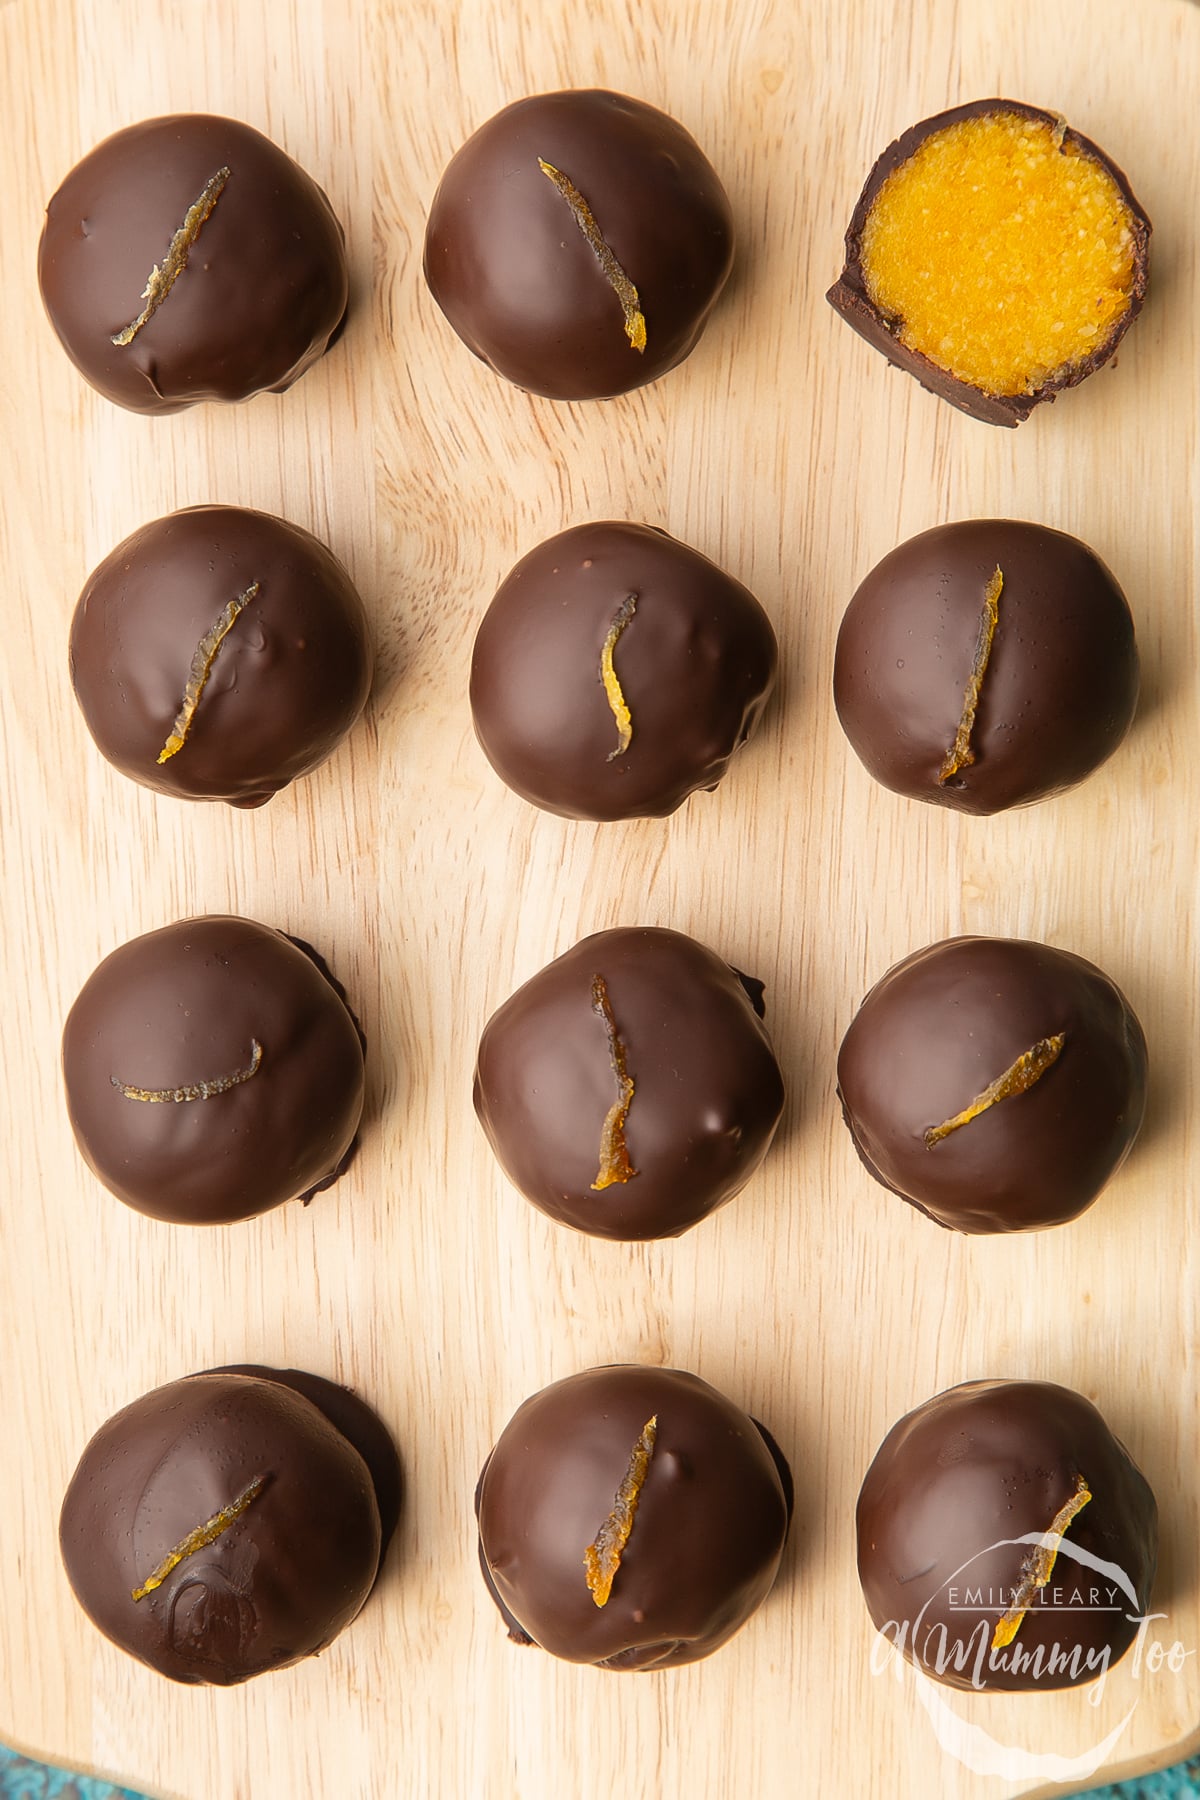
(786, 450)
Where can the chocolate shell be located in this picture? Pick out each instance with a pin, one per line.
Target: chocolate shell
(850, 299)
(213, 1070)
(994, 1083)
(709, 1518)
(947, 702)
(617, 671)
(564, 221)
(952, 1518)
(227, 1524)
(188, 258)
(218, 654)
(629, 1089)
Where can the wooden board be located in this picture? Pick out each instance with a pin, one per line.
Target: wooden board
(788, 452)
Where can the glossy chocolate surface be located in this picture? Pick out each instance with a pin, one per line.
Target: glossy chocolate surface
(518, 280)
(706, 1536)
(183, 1007)
(1060, 685)
(707, 1091)
(953, 1488)
(285, 684)
(952, 1019)
(849, 298)
(282, 1578)
(695, 663)
(349, 1414)
(263, 289)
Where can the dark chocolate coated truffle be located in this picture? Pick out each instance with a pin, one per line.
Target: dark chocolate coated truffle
(218, 653)
(226, 1524)
(632, 1518)
(629, 1088)
(996, 255)
(986, 664)
(994, 1083)
(577, 243)
(213, 1070)
(617, 671)
(188, 258)
(952, 1520)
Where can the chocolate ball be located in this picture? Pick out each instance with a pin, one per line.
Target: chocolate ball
(617, 671)
(227, 1524)
(986, 664)
(632, 1518)
(213, 1070)
(994, 1083)
(577, 243)
(629, 1088)
(1006, 1539)
(218, 653)
(188, 258)
(995, 254)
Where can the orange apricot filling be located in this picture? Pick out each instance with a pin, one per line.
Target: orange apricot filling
(1002, 251)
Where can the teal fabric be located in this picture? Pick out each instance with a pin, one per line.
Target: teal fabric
(21, 1779)
(1180, 1783)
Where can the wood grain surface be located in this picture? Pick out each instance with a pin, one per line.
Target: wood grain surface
(787, 451)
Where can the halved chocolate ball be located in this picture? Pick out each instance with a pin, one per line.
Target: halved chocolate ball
(578, 242)
(632, 1518)
(994, 1083)
(213, 1070)
(996, 255)
(1006, 1539)
(986, 664)
(629, 1088)
(218, 654)
(230, 1523)
(616, 671)
(188, 258)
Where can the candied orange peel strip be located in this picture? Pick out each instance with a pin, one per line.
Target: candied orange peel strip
(611, 680)
(602, 1558)
(203, 658)
(614, 274)
(614, 1153)
(960, 753)
(164, 275)
(1018, 1078)
(196, 1090)
(1040, 1567)
(202, 1536)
